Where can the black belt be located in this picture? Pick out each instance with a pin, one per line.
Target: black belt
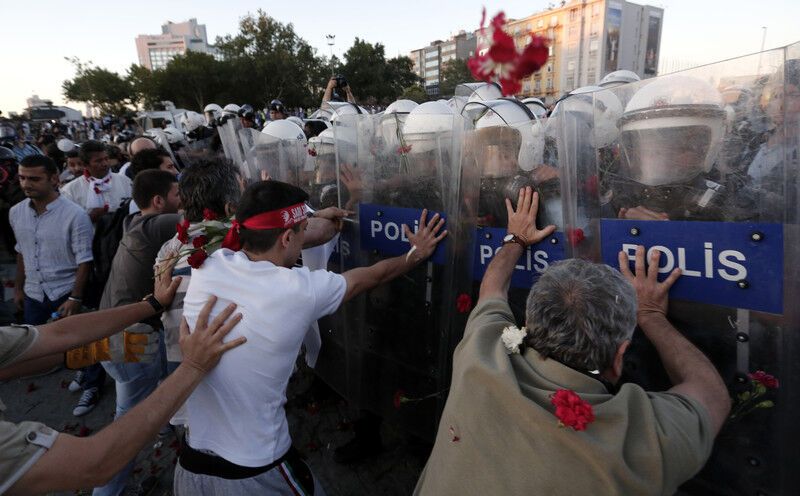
(198, 462)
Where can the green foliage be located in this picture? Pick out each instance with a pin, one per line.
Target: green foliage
(106, 90)
(454, 72)
(415, 93)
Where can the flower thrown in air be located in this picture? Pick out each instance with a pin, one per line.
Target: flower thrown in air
(513, 338)
(571, 410)
(501, 61)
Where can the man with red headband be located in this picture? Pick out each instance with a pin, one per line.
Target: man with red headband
(238, 438)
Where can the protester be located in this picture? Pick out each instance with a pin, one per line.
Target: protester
(100, 191)
(137, 145)
(579, 321)
(10, 195)
(36, 459)
(238, 438)
(22, 147)
(74, 168)
(130, 280)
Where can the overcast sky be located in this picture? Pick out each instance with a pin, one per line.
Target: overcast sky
(39, 34)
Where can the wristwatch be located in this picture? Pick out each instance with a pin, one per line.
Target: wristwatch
(515, 238)
(157, 306)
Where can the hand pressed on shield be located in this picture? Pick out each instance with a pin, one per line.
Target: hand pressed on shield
(651, 295)
(522, 222)
(424, 242)
(203, 348)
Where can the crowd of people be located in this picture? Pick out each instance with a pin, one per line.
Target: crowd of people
(159, 261)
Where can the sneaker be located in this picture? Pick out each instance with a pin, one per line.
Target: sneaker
(87, 402)
(77, 382)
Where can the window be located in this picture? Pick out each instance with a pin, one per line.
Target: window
(537, 86)
(549, 67)
(571, 65)
(595, 9)
(526, 86)
(570, 84)
(554, 21)
(573, 15)
(431, 63)
(550, 50)
(540, 23)
(594, 45)
(549, 83)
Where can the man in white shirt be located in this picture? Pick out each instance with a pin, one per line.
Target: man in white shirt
(238, 441)
(99, 190)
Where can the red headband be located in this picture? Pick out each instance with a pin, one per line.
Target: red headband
(281, 218)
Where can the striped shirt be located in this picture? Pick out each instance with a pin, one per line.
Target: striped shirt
(52, 245)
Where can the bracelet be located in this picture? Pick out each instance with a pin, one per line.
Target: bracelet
(157, 306)
(76, 300)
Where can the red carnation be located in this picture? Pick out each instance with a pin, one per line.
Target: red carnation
(209, 214)
(312, 152)
(404, 149)
(575, 236)
(503, 50)
(183, 231)
(571, 410)
(197, 258)
(769, 381)
(464, 303)
(199, 241)
(97, 190)
(399, 398)
(532, 58)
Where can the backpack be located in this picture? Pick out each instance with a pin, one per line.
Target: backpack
(108, 233)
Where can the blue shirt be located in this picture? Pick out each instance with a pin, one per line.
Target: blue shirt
(24, 150)
(52, 245)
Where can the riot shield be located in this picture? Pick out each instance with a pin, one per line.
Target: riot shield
(506, 145)
(397, 340)
(231, 146)
(704, 168)
(282, 160)
(474, 92)
(247, 138)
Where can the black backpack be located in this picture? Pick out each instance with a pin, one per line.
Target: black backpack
(108, 233)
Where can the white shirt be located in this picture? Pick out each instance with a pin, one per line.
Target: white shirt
(77, 189)
(237, 411)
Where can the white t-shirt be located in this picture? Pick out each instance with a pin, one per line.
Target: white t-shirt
(237, 410)
(77, 189)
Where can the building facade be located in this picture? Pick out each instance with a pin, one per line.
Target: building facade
(176, 38)
(589, 39)
(430, 60)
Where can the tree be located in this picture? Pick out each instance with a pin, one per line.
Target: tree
(400, 75)
(106, 90)
(454, 73)
(192, 80)
(267, 60)
(415, 93)
(374, 79)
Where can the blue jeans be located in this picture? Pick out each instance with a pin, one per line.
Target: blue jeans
(39, 312)
(135, 382)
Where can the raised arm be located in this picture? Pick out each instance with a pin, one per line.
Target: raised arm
(690, 371)
(76, 462)
(423, 243)
(522, 224)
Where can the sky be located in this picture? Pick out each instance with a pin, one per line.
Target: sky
(38, 35)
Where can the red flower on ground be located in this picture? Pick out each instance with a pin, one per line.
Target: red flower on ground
(209, 214)
(575, 236)
(183, 231)
(312, 152)
(399, 398)
(571, 410)
(197, 258)
(769, 381)
(199, 241)
(464, 303)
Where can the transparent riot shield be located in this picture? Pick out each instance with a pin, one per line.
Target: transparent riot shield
(187, 152)
(231, 146)
(474, 92)
(703, 167)
(247, 138)
(506, 145)
(281, 160)
(396, 341)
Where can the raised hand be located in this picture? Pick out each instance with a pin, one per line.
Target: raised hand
(424, 242)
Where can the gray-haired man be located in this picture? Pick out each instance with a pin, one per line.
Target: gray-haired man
(499, 432)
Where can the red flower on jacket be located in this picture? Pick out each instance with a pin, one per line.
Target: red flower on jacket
(97, 190)
(769, 381)
(571, 410)
(399, 398)
(199, 241)
(183, 231)
(464, 303)
(312, 152)
(197, 258)
(209, 214)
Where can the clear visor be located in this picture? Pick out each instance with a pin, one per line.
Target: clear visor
(665, 155)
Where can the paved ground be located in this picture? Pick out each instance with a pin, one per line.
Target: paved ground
(317, 429)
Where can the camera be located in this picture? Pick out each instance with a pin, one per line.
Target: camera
(341, 82)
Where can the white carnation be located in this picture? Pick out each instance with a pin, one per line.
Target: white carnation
(512, 338)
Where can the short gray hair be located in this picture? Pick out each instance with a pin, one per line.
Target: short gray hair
(209, 183)
(579, 313)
